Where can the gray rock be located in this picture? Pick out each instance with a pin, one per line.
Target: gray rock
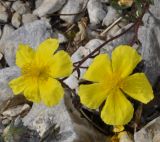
(21, 7)
(16, 20)
(7, 30)
(8, 3)
(149, 133)
(95, 11)
(73, 128)
(32, 34)
(126, 38)
(16, 132)
(149, 36)
(49, 7)
(38, 3)
(110, 17)
(6, 121)
(105, 1)
(3, 16)
(28, 18)
(1, 55)
(12, 112)
(72, 7)
(6, 75)
(0, 33)
(2, 8)
(72, 81)
(155, 9)
(61, 37)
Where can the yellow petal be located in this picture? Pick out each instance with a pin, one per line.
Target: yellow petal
(99, 70)
(31, 91)
(51, 91)
(124, 60)
(47, 47)
(17, 85)
(92, 95)
(61, 65)
(138, 87)
(117, 109)
(24, 55)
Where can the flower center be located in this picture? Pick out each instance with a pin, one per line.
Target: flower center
(116, 81)
(35, 71)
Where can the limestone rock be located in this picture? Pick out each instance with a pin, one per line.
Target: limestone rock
(28, 18)
(149, 133)
(71, 7)
(2, 8)
(3, 16)
(49, 7)
(149, 36)
(16, 20)
(72, 81)
(6, 75)
(95, 11)
(21, 7)
(73, 128)
(125, 38)
(110, 17)
(7, 30)
(12, 112)
(32, 34)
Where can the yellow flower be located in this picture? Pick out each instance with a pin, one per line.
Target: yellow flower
(39, 70)
(111, 81)
(127, 3)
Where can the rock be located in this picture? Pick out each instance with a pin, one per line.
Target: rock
(6, 75)
(28, 18)
(126, 38)
(12, 112)
(3, 17)
(0, 33)
(105, 1)
(38, 3)
(149, 36)
(21, 7)
(6, 121)
(110, 17)
(16, 20)
(8, 3)
(155, 9)
(72, 7)
(95, 11)
(2, 8)
(61, 37)
(1, 127)
(149, 133)
(72, 127)
(32, 34)
(72, 81)
(16, 132)
(7, 30)
(49, 7)
(1, 55)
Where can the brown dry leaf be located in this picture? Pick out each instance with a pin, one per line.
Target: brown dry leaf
(82, 34)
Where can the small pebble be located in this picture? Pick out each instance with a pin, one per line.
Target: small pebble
(16, 20)
(3, 17)
(28, 18)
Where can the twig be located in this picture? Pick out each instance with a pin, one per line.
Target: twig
(99, 47)
(111, 26)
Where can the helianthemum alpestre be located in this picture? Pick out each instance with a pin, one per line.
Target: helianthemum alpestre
(40, 70)
(112, 80)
